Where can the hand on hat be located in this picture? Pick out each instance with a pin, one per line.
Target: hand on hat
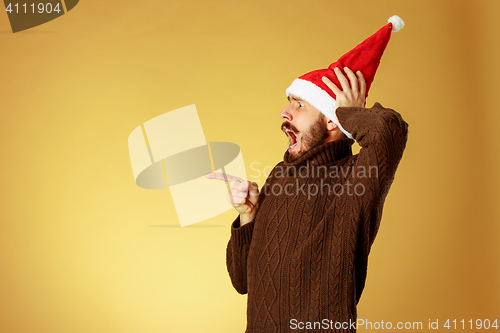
(353, 91)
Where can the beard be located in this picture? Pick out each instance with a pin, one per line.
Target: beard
(313, 137)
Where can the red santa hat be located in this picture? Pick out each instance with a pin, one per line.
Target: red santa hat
(365, 58)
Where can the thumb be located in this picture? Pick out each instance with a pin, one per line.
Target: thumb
(253, 191)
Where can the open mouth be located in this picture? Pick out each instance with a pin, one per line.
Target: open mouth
(293, 138)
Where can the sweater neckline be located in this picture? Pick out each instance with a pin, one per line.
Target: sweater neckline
(323, 154)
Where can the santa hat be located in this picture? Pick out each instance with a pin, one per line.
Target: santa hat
(365, 57)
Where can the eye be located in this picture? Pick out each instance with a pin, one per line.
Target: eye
(301, 105)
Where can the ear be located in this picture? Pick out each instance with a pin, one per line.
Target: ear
(330, 125)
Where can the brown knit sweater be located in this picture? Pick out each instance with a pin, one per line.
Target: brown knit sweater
(303, 259)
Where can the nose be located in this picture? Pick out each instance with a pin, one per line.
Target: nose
(286, 114)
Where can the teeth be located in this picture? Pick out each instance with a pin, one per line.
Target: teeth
(292, 146)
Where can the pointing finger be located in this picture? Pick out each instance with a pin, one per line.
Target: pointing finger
(223, 176)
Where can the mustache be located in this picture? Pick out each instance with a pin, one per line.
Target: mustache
(287, 125)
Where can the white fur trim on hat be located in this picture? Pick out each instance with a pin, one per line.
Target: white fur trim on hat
(318, 98)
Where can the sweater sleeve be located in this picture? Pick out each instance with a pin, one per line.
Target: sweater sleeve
(382, 135)
(239, 243)
(237, 252)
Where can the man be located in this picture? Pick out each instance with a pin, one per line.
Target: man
(300, 246)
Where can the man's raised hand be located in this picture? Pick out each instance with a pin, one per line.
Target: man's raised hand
(353, 91)
(243, 195)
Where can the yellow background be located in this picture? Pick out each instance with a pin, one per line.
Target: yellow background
(83, 249)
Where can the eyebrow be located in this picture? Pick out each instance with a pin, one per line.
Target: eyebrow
(294, 98)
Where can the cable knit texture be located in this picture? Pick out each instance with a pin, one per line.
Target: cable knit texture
(304, 256)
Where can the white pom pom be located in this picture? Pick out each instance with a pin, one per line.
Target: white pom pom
(397, 23)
